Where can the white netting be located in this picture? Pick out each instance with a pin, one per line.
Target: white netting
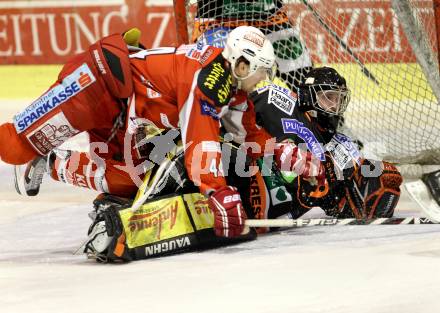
(397, 118)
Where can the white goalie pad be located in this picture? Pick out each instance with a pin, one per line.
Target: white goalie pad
(420, 193)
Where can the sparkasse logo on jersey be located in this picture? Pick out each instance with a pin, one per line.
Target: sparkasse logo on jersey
(71, 85)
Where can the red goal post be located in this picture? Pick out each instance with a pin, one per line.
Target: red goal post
(436, 5)
(180, 15)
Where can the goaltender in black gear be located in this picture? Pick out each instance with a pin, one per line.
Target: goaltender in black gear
(306, 122)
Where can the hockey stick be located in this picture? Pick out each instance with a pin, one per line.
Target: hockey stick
(321, 21)
(162, 173)
(337, 222)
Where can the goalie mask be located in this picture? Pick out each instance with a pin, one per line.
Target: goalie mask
(250, 43)
(324, 90)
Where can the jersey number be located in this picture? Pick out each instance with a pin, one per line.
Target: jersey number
(155, 51)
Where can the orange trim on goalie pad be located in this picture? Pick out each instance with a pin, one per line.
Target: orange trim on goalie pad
(120, 246)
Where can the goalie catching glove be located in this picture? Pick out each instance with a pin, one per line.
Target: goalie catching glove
(229, 214)
(288, 157)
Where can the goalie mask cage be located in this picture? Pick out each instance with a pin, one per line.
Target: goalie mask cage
(386, 49)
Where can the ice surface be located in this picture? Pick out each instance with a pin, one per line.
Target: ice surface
(353, 269)
(321, 269)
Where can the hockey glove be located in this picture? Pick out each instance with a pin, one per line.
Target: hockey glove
(229, 214)
(289, 158)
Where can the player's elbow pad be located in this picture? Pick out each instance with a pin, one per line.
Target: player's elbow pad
(13, 150)
(110, 57)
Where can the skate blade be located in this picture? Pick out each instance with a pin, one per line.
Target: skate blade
(18, 180)
(421, 195)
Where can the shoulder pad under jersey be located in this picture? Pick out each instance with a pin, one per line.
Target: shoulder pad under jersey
(215, 81)
(264, 85)
(350, 148)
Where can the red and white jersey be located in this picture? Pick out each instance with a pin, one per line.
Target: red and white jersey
(184, 88)
(240, 121)
(173, 88)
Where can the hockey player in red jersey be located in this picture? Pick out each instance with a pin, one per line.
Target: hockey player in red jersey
(114, 96)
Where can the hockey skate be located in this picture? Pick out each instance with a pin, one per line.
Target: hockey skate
(28, 177)
(101, 232)
(426, 192)
(97, 242)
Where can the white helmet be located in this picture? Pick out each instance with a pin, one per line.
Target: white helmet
(250, 43)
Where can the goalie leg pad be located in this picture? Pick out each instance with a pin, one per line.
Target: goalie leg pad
(104, 242)
(167, 225)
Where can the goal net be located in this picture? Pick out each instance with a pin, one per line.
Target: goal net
(386, 50)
